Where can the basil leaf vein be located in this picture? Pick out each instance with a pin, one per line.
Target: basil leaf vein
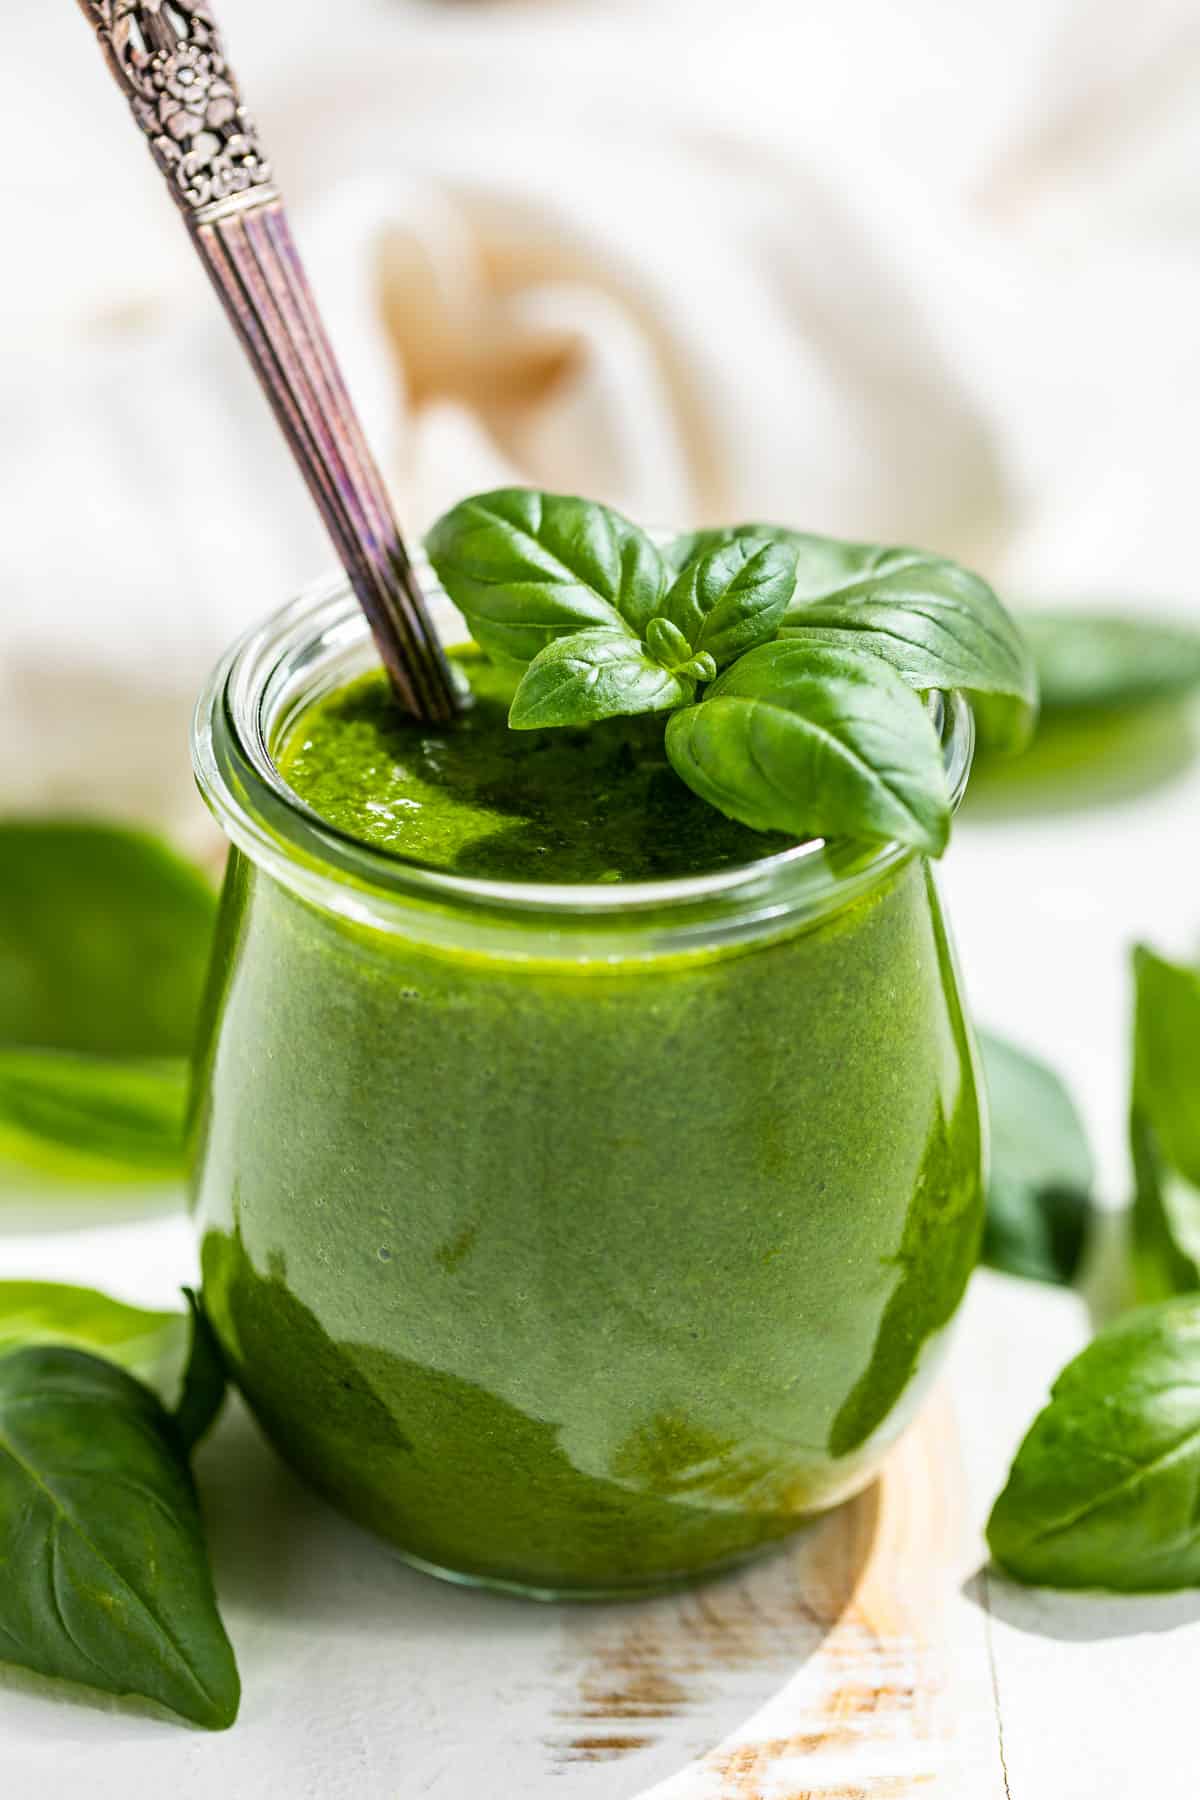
(107, 1577)
(939, 627)
(526, 567)
(733, 597)
(594, 675)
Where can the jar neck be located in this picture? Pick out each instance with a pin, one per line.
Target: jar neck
(313, 647)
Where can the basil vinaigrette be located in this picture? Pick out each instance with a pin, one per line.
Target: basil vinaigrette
(576, 1234)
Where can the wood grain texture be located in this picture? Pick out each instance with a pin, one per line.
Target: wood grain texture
(866, 1713)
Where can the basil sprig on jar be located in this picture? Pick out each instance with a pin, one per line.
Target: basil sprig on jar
(794, 669)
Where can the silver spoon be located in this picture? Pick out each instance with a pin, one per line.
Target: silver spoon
(167, 57)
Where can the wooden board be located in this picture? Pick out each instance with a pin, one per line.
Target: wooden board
(865, 1709)
(871, 1659)
(827, 1668)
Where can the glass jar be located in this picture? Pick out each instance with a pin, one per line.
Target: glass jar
(578, 1240)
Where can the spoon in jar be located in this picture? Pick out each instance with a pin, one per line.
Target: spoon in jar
(168, 58)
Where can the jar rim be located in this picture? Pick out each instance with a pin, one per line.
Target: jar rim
(319, 640)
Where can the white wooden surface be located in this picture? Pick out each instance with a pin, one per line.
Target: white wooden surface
(873, 1659)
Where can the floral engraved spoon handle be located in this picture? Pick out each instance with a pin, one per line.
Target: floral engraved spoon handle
(168, 58)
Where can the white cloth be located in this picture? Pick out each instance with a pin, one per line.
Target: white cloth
(927, 273)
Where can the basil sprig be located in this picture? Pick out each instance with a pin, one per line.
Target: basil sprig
(1039, 1190)
(794, 667)
(1103, 1489)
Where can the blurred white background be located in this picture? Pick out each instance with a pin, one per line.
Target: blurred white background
(925, 272)
(928, 273)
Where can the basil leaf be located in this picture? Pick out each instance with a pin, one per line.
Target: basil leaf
(525, 568)
(151, 1345)
(668, 646)
(1039, 1193)
(91, 1117)
(174, 1353)
(666, 643)
(1103, 1490)
(801, 738)
(104, 941)
(733, 597)
(1084, 759)
(594, 675)
(104, 944)
(1165, 1126)
(106, 1578)
(1094, 662)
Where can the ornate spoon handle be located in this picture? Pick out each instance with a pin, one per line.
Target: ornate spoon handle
(169, 61)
